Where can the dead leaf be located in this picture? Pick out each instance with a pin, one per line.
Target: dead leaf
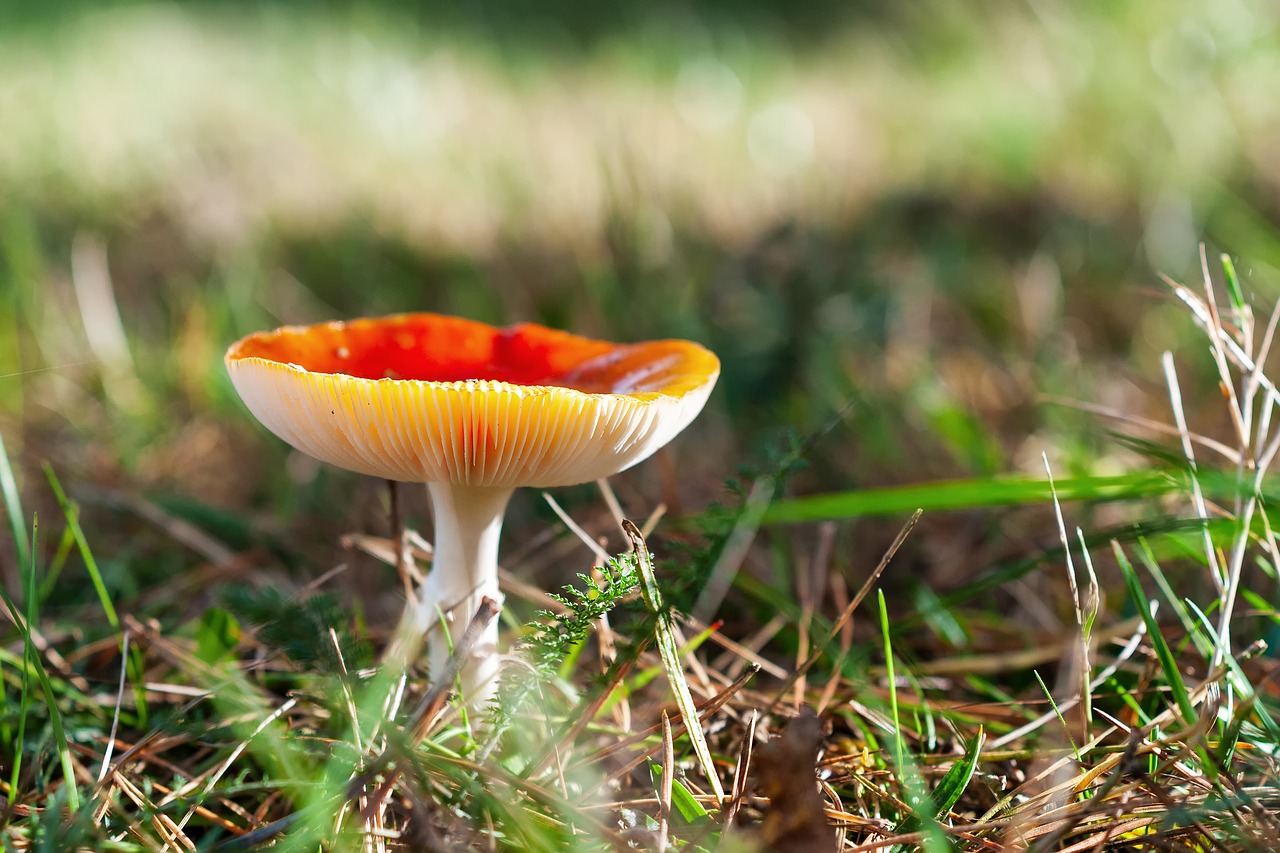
(786, 772)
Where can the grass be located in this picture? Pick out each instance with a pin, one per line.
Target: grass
(917, 308)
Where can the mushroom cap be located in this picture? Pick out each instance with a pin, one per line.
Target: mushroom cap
(429, 398)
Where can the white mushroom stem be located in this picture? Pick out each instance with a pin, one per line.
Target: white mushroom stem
(464, 570)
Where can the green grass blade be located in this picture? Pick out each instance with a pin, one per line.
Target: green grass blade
(967, 494)
(13, 506)
(952, 785)
(684, 801)
(1053, 704)
(1172, 674)
(1233, 283)
(54, 570)
(899, 744)
(64, 688)
(50, 698)
(690, 809)
(671, 658)
(24, 699)
(1238, 678)
(920, 816)
(1148, 558)
(72, 514)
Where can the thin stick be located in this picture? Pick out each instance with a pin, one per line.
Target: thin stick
(1216, 337)
(115, 717)
(284, 708)
(735, 648)
(705, 710)
(754, 643)
(807, 586)
(741, 770)
(419, 722)
(1202, 315)
(601, 554)
(346, 691)
(848, 611)
(611, 501)
(1255, 377)
(1197, 496)
(1101, 678)
(1078, 605)
(671, 657)
(667, 783)
(651, 523)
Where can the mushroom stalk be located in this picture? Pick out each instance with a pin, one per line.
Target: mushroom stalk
(468, 524)
(440, 400)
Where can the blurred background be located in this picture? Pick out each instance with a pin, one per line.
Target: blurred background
(951, 215)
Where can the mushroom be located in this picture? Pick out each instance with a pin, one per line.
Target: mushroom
(474, 412)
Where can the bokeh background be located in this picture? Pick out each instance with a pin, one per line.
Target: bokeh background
(951, 215)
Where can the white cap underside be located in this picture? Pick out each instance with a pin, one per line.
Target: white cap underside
(478, 433)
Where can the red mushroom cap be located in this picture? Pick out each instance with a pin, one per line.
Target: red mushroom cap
(429, 398)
